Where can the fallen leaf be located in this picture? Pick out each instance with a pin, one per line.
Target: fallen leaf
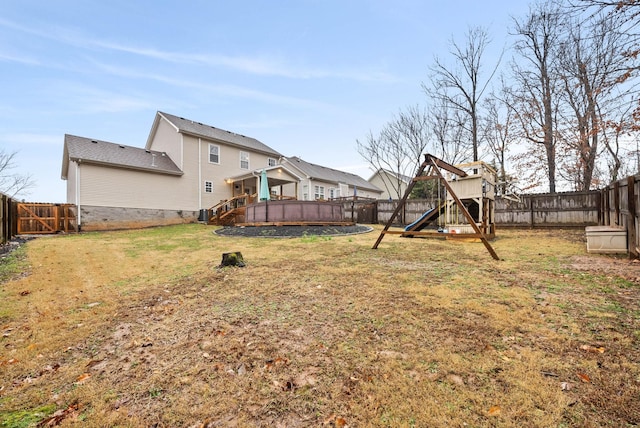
(340, 422)
(593, 349)
(584, 377)
(25, 293)
(83, 377)
(50, 368)
(60, 415)
(566, 386)
(494, 411)
(270, 364)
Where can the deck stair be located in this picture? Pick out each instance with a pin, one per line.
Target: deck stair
(230, 211)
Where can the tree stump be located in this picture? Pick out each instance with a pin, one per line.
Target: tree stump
(232, 259)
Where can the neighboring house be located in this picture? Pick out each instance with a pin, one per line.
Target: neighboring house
(394, 184)
(319, 182)
(185, 167)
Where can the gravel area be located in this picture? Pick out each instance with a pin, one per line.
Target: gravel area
(13, 244)
(291, 231)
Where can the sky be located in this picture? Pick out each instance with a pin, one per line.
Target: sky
(306, 77)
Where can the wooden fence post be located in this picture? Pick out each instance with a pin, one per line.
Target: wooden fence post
(599, 199)
(531, 217)
(606, 208)
(632, 217)
(4, 220)
(616, 202)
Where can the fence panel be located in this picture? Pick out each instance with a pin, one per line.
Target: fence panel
(570, 209)
(39, 218)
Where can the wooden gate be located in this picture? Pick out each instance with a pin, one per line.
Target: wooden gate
(366, 213)
(39, 218)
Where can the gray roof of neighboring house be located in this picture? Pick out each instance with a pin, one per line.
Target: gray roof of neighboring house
(212, 133)
(323, 173)
(402, 177)
(89, 150)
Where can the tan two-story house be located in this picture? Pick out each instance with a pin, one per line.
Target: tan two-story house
(185, 167)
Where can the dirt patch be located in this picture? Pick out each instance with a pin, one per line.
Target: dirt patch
(619, 266)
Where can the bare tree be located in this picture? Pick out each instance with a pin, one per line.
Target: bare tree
(625, 18)
(463, 85)
(12, 183)
(533, 94)
(498, 132)
(590, 68)
(448, 129)
(398, 147)
(620, 138)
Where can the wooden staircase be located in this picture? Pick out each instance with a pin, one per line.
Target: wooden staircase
(230, 211)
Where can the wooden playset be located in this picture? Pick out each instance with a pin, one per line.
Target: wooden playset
(468, 211)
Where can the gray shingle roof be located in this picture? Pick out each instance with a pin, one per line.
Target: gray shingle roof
(212, 133)
(331, 175)
(117, 155)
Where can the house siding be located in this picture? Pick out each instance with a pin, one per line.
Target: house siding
(229, 166)
(72, 182)
(388, 184)
(307, 185)
(118, 187)
(168, 140)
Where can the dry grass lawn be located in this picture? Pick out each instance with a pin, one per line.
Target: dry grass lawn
(142, 329)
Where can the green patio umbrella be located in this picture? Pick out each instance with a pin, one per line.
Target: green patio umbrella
(264, 194)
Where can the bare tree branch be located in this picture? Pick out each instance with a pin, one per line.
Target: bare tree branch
(12, 183)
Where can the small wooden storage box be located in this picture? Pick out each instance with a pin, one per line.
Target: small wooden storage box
(606, 239)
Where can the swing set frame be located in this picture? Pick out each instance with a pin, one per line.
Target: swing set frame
(434, 167)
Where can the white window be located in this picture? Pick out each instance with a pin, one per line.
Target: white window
(319, 192)
(332, 192)
(271, 161)
(208, 187)
(244, 160)
(214, 153)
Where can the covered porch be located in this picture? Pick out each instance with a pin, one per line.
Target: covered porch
(282, 183)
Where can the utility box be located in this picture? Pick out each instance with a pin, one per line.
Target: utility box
(606, 239)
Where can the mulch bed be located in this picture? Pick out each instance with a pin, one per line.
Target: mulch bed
(291, 231)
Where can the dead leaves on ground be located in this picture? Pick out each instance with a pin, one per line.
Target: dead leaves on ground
(274, 364)
(83, 378)
(593, 349)
(71, 412)
(494, 411)
(336, 421)
(584, 377)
